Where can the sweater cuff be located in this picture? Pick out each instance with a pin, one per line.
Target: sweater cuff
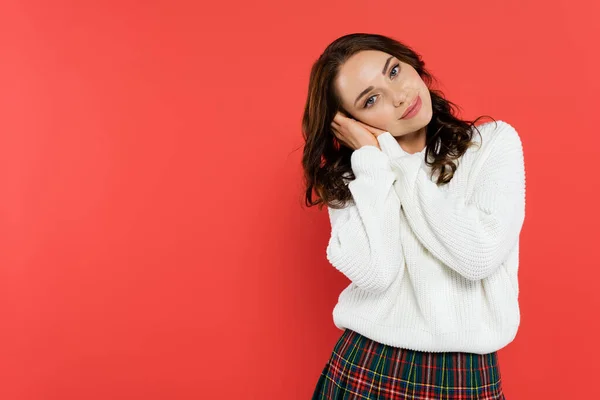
(370, 162)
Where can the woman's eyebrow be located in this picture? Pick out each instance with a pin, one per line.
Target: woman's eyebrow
(367, 90)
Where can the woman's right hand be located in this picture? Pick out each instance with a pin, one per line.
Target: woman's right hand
(353, 133)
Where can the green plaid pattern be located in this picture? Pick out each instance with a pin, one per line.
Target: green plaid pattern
(360, 368)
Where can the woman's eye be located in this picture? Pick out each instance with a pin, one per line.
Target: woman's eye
(367, 103)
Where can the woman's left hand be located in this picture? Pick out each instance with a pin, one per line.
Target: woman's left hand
(372, 129)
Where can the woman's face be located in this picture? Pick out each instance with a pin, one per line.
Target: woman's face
(377, 88)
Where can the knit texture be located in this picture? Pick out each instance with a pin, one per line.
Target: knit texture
(432, 268)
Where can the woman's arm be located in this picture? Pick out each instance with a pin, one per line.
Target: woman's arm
(365, 235)
(473, 238)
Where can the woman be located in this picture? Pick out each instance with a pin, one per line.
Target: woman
(425, 223)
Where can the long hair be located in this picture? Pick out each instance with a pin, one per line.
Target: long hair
(326, 161)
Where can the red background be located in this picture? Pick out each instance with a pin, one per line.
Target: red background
(153, 241)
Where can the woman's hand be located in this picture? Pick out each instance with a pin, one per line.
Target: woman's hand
(353, 133)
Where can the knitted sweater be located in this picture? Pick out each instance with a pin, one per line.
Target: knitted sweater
(432, 268)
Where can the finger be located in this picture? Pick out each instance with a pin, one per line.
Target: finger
(338, 135)
(372, 128)
(335, 130)
(338, 117)
(341, 117)
(366, 126)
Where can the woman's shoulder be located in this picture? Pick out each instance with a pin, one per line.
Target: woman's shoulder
(495, 134)
(491, 129)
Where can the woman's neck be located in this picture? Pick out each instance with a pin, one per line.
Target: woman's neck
(414, 142)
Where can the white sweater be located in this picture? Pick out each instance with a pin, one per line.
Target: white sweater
(432, 268)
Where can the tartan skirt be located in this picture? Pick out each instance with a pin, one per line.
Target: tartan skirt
(360, 368)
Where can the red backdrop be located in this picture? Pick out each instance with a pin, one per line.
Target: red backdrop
(153, 241)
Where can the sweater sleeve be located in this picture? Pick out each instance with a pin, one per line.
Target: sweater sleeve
(365, 235)
(472, 236)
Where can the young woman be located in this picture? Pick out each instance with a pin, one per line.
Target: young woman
(425, 223)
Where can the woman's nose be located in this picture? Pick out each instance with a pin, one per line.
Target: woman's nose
(399, 99)
(405, 95)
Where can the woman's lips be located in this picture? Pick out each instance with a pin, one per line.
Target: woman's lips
(413, 109)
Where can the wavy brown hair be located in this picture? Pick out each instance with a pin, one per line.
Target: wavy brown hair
(326, 160)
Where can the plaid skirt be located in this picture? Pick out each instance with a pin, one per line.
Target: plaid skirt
(360, 368)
